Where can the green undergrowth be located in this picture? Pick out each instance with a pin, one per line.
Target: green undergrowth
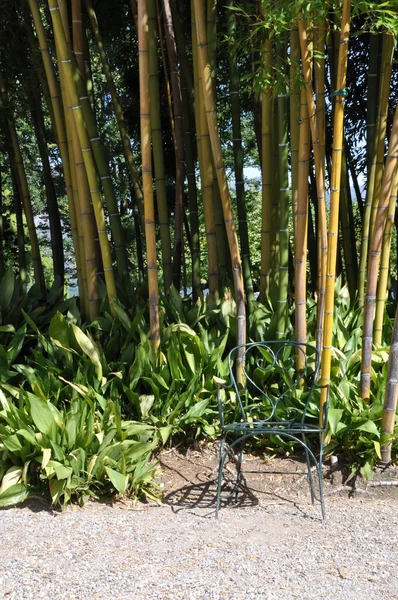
(86, 408)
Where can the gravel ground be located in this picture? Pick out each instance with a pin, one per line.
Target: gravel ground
(276, 551)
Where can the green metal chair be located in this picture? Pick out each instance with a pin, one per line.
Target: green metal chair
(274, 400)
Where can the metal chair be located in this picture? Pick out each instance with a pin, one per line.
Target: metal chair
(279, 380)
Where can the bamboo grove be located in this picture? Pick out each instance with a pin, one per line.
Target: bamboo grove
(139, 120)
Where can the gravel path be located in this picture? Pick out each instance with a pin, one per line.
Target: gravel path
(277, 551)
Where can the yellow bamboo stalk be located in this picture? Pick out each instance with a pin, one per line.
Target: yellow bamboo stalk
(294, 99)
(66, 60)
(337, 151)
(374, 257)
(60, 132)
(320, 181)
(149, 209)
(221, 177)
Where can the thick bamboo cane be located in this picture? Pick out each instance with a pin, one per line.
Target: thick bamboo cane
(301, 231)
(66, 59)
(157, 146)
(56, 240)
(60, 130)
(124, 136)
(337, 151)
(206, 171)
(385, 266)
(374, 257)
(222, 179)
(18, 213)
(283, 169)
(294, 111)
(149, 209)
(320, 182)
(238, 155)
(266, 172)
(178, 141)
(390, 398)
(377, 163)
(347, 230)
(24, 191)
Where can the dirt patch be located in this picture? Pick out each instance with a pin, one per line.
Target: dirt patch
(189, 479)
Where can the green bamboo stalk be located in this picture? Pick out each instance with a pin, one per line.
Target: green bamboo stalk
(145, 122)
(371, 101)
(388, 421)
(377, 163)
(301, 230)
(22, 263)
(124, 136)
(56, 241)
(294, 111)
(283, 168)
(157, 145)
(266, 172)
(238, 155)
(347, 230)
(385, 266)
(208, 97)
(178, 141)
(206, 171)
(24, 190)
(374, 258)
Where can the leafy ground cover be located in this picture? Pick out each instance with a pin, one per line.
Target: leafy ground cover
(85, 409)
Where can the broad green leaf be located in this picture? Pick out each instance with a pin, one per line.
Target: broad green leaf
(12, 443)
(367, 470)
(146, 403)
(60, 470)
(368, 426)
(46, 457)
(121, 314)
(59, 332)
(164, 433)
(88, 348)
(118, 480)
(334, 418)
(14, 495)
(377, 448)
(11, 478)
(197, 410)
(42, 414)
(140, 449)
(56, 489)
(7, 328)
(29, 436)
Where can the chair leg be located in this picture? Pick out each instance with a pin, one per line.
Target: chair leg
(310, 478)
(320, 479)
(238, 473)
(219, 481)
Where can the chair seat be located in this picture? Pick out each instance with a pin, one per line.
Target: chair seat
(269, 427)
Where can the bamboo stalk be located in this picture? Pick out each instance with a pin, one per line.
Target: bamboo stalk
(206, 172)
(301, 231)
(283, 169)
(385, 266)
(320, 182)
(124, 136)
(390, 398)
(222, 179)
(24, 191)
(149, 209)
(157, 145)
(238, 155)
(376, 169)
(337, 151)
(65, 57)
(294, 110)
(178, 141)
(266, 172)
(347, 230)
(374, 258)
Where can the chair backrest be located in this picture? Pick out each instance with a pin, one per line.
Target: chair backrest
(279, 377)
